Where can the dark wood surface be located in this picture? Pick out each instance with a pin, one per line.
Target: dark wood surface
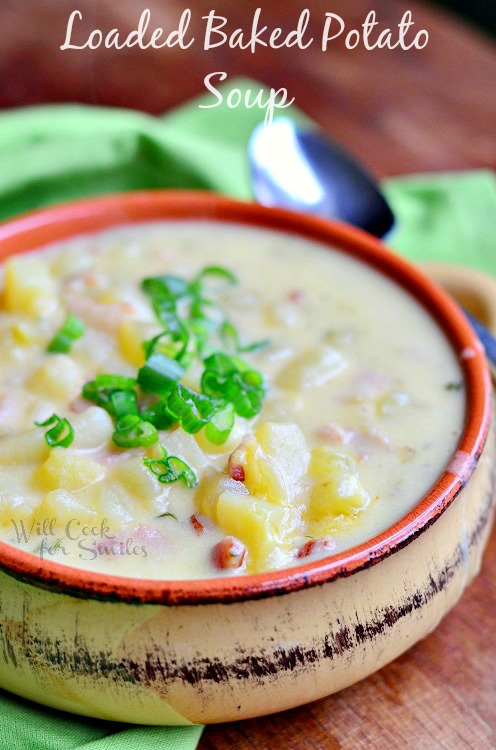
(400, 112)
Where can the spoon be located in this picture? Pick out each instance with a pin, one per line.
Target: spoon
(304, 170)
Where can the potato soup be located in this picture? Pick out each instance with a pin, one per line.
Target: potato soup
(191, 399)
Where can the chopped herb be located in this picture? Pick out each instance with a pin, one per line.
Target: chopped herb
(120, 382)
(60, 434)
(229, 379)
(123, 403)
(103, 391)
(160, 374)
(453, 386)
(159, 415)
(219, 428)
(131, 431)
(170, 469)
(72, 329)
(165, 515)
(216, 272)
(230, 338)
(194, 326)
(192, 410)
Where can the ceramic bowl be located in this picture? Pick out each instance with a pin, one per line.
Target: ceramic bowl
(179, 652)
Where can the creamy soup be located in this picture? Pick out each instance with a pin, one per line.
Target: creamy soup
(190, 399)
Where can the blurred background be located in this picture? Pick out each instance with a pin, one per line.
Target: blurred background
(399, 111)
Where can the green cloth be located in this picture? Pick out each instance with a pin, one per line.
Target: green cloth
(55, 153)
(26, 726)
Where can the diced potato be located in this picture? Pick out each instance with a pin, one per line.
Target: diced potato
(338, 490)
(29, 287)
(65, 470)
(65, 507)
(25, 333)
(179, 443)
(16, 506)
(212, 485)
(275, 461)
(282, 313)
(267, 530)
(138, 481)
(93, 429)
(58, 378)
(130, 334)
(28, 447)
(113, 504)
(311, 369)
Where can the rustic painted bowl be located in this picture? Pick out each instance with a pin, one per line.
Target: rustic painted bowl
(175, 652)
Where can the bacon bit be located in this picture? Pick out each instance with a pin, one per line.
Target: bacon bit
(94, 281)
(237, 473)
(230, 553)
(235, 467)
(79, 405)
(315, 545)
(332, 433)
(297, 295)
(197, 525)
(128, 308)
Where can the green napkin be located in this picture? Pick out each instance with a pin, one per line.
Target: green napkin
(26, 726)
(55, 153)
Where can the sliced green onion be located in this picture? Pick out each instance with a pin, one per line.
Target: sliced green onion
(160, 374)
(103, 389)
(159, 415)
(165, 286)
(131, 431)
(123, 403)
(72, 329)
(229, 379)
(230, 338)
(170, 469)
(192, 410)
(164, 291)
(120, 382)
(61, 432)
(219, 428)
(218, 272)
(176, 347)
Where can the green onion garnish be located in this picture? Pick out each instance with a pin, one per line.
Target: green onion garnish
(176, 347)
(159, 415)
(160, 374)
(61, 432)
(230, 338)
(103, 389)
(192, 410)
(194, 325)
(165, 286)
(131, 432)
(216, 272)
(230, 380)
(72, 329)
(170, 469)
(120, 382)
(219, 428)
(123, 403)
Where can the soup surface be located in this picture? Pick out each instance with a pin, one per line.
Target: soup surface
(190, 399)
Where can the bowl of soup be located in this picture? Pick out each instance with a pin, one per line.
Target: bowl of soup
(247, 457)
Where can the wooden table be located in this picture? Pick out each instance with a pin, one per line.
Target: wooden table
(400, 112)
